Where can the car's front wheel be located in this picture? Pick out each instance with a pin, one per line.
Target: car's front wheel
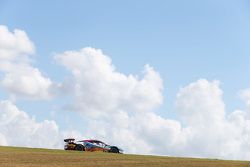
(114, 150)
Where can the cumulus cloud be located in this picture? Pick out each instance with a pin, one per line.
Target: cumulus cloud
(213, 133)
(26, 81)
(17, 128)
(140, 133)
(20, 78)
(14, 46)
(120, 109)
(99, 88)
(245, 96)
(200, 103)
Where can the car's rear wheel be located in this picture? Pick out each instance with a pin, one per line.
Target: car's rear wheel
(80, 147)
(114, 150)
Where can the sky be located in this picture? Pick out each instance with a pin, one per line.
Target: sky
(138, 74)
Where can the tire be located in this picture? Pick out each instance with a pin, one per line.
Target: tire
(114, 150)
(80, 147)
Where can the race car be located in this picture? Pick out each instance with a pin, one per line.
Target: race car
(71, 145)
(90, 145)
(96, 145)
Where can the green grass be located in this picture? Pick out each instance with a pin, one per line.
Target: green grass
(34, 157)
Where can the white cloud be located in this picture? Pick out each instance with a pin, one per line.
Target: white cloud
(3, 140)
(20, 78)
(119, 107)
(19, 129)
(143, 133)
(99, 89)
(200, 103)
(26, 81)
(214, 134)
(245, 95)
(14, 46)
(120, 110)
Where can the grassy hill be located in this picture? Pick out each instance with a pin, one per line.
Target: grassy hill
(33, 157)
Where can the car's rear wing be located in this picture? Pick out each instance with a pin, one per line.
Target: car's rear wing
(69, 140)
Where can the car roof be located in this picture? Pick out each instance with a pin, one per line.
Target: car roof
(92, 141)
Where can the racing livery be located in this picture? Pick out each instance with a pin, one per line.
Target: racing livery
(96, 145)
(90, 145)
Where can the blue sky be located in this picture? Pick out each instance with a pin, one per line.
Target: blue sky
(183, 40)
